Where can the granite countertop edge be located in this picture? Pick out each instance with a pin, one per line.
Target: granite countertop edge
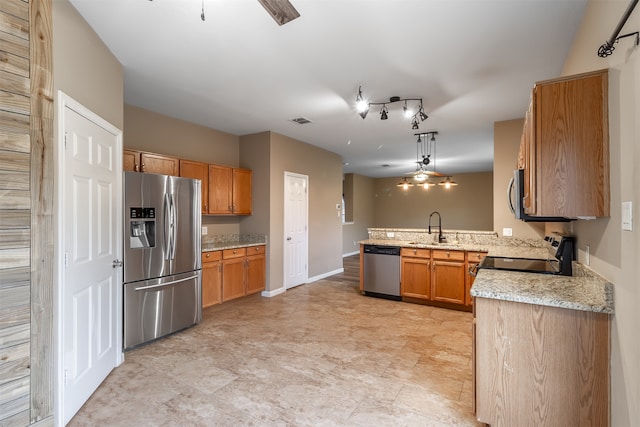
(220, 246)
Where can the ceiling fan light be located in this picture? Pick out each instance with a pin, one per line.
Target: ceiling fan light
(420, 176)
(404, 183)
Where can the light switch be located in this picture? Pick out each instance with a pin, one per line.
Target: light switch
(507, 232)
(204, 231)
(627, 216)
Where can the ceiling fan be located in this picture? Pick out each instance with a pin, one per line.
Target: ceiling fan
(282, 11)
(424, 149)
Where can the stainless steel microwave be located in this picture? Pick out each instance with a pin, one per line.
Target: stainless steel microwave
(515, 194)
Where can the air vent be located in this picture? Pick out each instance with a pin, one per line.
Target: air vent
(386, 165)
(301, 120)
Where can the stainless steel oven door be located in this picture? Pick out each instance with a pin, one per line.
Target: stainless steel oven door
(157, 307)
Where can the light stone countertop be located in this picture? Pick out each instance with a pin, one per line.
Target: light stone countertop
(585, 290)
(233, 241)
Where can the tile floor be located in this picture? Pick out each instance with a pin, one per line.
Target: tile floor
(318, 355)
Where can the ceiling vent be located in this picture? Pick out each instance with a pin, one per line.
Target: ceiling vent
(301, 120)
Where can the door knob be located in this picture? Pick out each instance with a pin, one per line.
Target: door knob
(116, 263)
(288, 238)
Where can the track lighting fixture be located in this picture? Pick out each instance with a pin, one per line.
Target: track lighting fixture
(363, 106)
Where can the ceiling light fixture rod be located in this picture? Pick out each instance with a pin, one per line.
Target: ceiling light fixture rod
(607, 48)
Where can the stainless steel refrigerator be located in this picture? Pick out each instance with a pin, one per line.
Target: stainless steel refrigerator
(162, 256)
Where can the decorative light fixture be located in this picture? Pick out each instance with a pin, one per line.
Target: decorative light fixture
(607, 47)
(363, 106)
(448, 182)
(405, 184)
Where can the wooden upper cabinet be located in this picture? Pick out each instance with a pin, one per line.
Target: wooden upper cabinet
(220, 190)
(241, 191)
(157, 163)
(131, 160)
(568, 147)
(197, 170)
(229, 191)
(140, 161)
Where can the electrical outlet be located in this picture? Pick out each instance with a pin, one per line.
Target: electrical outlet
(204, 231)
(587, 259)
(627, 216)
(507, 232)
(391, 235)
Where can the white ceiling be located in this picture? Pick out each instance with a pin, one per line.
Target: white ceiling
(472, 61)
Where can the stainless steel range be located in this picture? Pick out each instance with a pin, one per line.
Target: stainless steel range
(162, 256)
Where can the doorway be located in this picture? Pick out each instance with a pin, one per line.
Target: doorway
(296, 230)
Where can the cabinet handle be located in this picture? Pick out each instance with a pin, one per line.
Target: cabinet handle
(415, 251)
(206, 208)
(235, 251)
(136, 167)
(257, 248)
(208, 255)
(220, 267)
(142, 168)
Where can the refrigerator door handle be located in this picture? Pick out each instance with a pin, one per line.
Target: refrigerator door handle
(173, 225)
(160, 285)
(166, 230)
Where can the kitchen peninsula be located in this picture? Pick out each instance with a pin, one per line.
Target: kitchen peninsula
(541, 341)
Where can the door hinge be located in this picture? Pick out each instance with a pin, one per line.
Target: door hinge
(66, 376)
(66, 259)
(66, 138)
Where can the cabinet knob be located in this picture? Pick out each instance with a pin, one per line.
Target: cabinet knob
(257, 248)
(208, 255)
(415, 251)
(142, 168)
(235, 251)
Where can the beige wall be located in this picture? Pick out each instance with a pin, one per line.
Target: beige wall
(270, 155)
(506, 143)
(362, 200)
(469, 206)
(149, 131)
(84, 68)
(615, 253)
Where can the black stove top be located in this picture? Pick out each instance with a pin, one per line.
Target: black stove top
(529, 265)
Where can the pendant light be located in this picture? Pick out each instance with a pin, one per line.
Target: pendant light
(404, 184)
(448, 182)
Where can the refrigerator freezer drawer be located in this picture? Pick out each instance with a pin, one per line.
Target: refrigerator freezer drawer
(158, 307)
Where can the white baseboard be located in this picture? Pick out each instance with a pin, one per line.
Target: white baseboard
(350, 253)
(274, 292)
(322, 276)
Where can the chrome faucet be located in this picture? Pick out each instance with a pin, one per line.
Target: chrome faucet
(441, 238)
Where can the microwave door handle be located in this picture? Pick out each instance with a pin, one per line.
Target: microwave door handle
(509, 195)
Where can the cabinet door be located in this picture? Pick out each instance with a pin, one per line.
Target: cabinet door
(233, 271)
(529, 160)
(473, 259)
(211, 283)
(220, 190)
(242, 191)
(131, 160)
(197, 170)
(447, 281)
(156, 163)
(256, 271)
(415, 278)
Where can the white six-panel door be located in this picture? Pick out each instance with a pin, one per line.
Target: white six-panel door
(90, 303)
(295, 229)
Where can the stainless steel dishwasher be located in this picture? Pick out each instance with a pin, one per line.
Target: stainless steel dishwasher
(382, 271)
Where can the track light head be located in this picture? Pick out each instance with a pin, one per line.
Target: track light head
(422, 114)
(384, 113)
(414, 124)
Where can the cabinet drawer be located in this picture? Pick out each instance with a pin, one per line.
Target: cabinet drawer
(416, 252)
(211, 256)
(475, 256)
(448, 255)
(234, 253)
(255, 250)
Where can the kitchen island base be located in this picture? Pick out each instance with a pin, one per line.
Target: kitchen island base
(540, 365)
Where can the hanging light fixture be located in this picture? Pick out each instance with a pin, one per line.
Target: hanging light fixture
(414, 111)
(405, 184)
(448, 182)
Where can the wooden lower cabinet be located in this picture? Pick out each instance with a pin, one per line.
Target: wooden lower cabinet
(540, 366)
(473, 259)
(211, 278)
(415, 273)
(448, 276)
(243, 271)
(256, 265)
